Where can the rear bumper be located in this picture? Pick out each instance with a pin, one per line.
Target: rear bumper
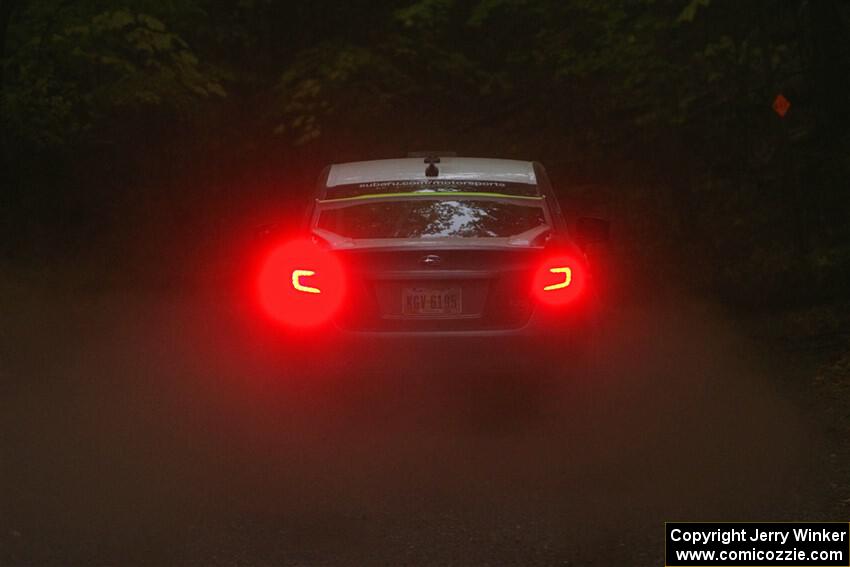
(543, 325)
(547, 330)
(549, 339)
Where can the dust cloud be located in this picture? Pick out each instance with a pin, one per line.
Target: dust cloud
(164, 427)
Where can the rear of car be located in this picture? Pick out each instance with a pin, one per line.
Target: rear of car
(464, 249)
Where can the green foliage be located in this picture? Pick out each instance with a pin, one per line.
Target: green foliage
(689, 12)
(72, 67)
(333, 78)
(665, 101)
(424, 13)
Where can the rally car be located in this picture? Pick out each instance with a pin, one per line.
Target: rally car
(434, 246)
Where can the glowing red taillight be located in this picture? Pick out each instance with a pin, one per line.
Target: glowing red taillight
(301, 284)
(558, 281)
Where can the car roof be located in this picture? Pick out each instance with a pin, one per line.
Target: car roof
(450, 168)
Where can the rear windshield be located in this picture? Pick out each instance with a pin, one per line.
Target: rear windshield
(432, 218)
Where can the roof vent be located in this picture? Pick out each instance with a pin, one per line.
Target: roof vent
(431, 170)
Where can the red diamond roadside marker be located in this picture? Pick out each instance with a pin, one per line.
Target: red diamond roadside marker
(781, 105)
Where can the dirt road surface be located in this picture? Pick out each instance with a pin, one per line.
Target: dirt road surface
(166, 428)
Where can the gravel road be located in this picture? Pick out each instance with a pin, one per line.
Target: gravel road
(165, 428)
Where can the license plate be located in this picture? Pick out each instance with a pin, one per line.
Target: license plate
(431, 301)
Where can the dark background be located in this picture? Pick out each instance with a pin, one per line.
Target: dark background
(144, 142)
(171, 126)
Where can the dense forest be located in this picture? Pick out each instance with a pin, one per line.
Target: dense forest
(137, 135)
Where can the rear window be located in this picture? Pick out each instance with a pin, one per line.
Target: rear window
(432, 218)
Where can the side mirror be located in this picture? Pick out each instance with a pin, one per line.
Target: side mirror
(591, 230)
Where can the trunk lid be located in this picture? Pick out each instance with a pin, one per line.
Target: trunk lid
(434, 288)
